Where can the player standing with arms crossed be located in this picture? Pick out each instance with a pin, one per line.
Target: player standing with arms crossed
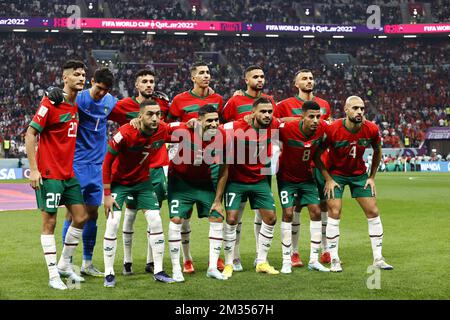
(292, 107)
(52, 174)
(184, 107)
(347, 140)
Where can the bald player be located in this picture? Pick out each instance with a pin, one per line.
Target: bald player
(347, 140)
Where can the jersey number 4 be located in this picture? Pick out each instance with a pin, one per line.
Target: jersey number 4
(352, 152)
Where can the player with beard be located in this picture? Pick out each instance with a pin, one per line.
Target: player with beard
(184, 107)
(194, 175)
(237, 107)
(124, 111)
(247, 179)
(126, 173)
(347, 140)
(292, 107)
(52, 175)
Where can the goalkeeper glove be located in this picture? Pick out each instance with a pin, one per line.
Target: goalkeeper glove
(160, 95)
(55, 95)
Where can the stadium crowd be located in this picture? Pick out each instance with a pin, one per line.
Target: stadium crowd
(405, 85)
(338, 12)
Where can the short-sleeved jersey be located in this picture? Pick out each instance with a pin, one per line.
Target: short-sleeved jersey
(128, 109)
(132, 148)
(57, 127)
(238, 107)
(295, 163)
(346, 148)
(250, 152)
(186, 104)
(195, 157)
(292, 107)
(92, 138)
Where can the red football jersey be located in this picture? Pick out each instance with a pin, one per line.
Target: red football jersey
(57, 127)
(238, 107)
(297, 156)
(251, 151)
(292, 107)
(346, 148)
(195, 157)
(132, 149)
(186, 104)
(128, 109)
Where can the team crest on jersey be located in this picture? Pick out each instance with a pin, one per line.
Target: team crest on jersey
(42, 111)
(118, 137)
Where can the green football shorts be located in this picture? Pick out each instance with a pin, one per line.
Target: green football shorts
(356, 185)
(306, 192)
(142, 194)
(182, 195)
(159, 184)
(259, 194)
(54, 193)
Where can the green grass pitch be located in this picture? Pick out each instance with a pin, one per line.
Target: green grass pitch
(414, 209)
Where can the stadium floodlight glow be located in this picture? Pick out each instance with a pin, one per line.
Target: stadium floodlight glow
(151, 32)
(88, 31)
(382, 37)
(338, 37)
(54, 31)
(180, 33)
(272, 35)
(211, 34)
(117, 32)
(308, 36)
(238, 34)
(245, 35)
(20, 30)
(410, 36)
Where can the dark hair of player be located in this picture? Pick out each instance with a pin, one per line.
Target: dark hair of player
(197, 64)
(261, 101)
(73, 64)
(302, 71)
(251, 68)
(145, 72)
(105, 76)
(147, 102)
(207, 108)
(310, 105)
